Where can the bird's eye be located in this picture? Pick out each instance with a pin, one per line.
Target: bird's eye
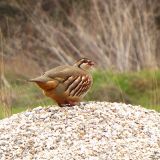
(87, 61)
(84, 61)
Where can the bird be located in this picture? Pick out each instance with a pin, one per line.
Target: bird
(67, 84)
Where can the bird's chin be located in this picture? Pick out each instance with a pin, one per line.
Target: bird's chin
(88, 67)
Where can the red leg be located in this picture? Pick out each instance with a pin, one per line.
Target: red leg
(68, 104)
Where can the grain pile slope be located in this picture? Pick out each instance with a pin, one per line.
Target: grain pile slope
(91, 131)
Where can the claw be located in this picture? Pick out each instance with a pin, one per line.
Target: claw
(68, 104)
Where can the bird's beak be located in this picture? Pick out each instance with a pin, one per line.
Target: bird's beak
(91, 63)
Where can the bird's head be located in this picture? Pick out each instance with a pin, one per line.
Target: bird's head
(84, 64)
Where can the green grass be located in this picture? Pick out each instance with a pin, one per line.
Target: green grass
(139, 88)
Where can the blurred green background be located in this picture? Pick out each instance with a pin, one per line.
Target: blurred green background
(122, 37)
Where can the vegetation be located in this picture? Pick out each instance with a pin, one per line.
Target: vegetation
(140, 88)
(121, 36)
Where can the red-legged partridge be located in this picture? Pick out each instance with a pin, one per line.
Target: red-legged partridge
(67, 85)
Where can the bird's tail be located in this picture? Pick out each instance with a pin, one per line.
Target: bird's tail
(31, 80)
(39, 79)
(45, 83)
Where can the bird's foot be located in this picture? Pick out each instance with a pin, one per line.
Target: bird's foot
(70, 104)
(66, 105)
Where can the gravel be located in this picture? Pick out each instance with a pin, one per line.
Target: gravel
(91, 131)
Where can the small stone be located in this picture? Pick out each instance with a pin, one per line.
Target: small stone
(91, 131)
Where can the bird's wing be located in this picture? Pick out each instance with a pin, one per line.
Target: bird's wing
(49, 75)
(63, 72)
(59, 74)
